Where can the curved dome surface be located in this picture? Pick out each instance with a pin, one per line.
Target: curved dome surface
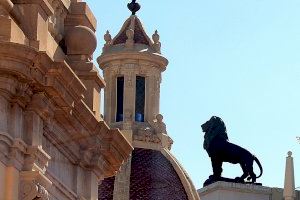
(152, 177)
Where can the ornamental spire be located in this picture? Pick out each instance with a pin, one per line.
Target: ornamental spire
(133, 7)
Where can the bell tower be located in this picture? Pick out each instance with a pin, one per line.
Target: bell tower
(132, 66)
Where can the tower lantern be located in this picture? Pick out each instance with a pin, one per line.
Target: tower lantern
(132, 67)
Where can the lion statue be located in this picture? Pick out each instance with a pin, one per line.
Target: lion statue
(220, 150)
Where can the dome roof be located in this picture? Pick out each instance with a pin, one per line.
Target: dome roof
(153, 177)
(139, 37)
(133, 38)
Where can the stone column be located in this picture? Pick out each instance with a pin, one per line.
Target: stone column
(91, 186)
(12, 177)
(2, 180)
(107, 94)
(110, 95)
(16, 121)
(86, 184)
(3, 115)
(34, 128)
(122, 182)
(129, 91)
(289, 181)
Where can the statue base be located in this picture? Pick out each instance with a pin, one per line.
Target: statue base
(237, 191)
(212, 180)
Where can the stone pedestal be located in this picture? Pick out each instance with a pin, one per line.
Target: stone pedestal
(235, 191)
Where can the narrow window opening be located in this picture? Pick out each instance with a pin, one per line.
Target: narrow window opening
(120, 99)
(140, 99)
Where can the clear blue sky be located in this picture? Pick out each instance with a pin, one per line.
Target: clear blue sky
(236, 59)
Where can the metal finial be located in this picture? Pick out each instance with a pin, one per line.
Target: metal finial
(133, 7)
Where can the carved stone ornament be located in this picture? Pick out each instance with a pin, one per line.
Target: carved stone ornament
(108, 41)
(159, 125)
(32, 190)
(171, 142)
(129, 42)
(156, 42)
(147, 135)
(56, 21)
(107, 38)
(36, 159)
(23, 94)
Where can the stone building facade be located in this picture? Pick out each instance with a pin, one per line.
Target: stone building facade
(132, 65)
(54, 144)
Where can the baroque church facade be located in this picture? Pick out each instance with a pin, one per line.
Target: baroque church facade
(55, 144)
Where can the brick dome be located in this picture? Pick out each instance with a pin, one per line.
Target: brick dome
(152, 177)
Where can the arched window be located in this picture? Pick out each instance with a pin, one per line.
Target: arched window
(120, 98)
(140, 99)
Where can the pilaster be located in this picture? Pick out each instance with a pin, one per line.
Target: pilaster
(129, 94)
(122, 182)
(35, 16)
(12, 179)
(4, 113)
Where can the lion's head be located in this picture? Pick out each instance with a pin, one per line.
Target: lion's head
(212, 128)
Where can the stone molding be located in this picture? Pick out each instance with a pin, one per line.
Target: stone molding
(31, 161)
(54, 92)
(36, 159)
(235, 187)
(45, 5)
(80, 14)
(157, 60)
(12, 151)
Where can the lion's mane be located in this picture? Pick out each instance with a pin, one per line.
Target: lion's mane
(217, 129)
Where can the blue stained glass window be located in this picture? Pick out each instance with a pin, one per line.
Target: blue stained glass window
(120, 98)
(140, 99)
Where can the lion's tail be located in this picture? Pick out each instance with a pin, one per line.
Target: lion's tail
(259, 165)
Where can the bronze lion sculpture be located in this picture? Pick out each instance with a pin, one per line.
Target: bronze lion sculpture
(220, 150)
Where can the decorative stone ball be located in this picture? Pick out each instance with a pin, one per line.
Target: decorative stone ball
(81, 40)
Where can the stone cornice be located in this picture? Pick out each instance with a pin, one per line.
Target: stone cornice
(57, 93)
(159, 61)
(80, 14)
(92, 75)
(102, 150)
(55, 78)
(43, 3)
